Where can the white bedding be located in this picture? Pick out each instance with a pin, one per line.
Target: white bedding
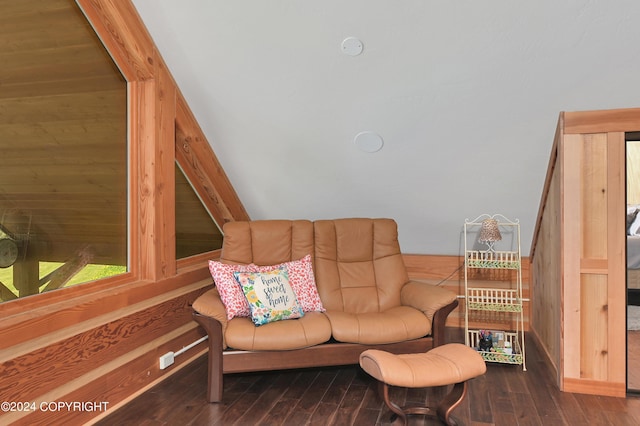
(633, 251)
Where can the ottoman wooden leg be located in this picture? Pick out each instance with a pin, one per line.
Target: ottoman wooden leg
(450, 402)
(443, 410)
(384, 391)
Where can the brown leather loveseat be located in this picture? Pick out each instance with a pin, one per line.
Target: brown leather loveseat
(368, 299)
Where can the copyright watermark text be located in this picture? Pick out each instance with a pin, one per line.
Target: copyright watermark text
(12, 406)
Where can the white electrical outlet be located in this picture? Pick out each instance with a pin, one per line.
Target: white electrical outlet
(166, 360)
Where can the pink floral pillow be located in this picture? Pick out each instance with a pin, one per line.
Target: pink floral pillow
(230, 291)
(302, 281)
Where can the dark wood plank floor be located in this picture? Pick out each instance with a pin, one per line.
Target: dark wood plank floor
(505, 395)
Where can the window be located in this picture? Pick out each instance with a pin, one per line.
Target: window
(196, 232)
(63, 138)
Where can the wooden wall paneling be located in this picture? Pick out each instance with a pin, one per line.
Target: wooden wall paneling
(435, 267)
(113, 388)
(552, 167)
(594, 322)
(553, 276)
(48, 373)
(571, 242)
(37, 328)
(114, 380)
(616, 226)
(204, 171)
(601, 290)
(593, 284)
(590, 255)
(441, 267)
(594, 191)
(546, 277)
(144, 372)
(29, 375)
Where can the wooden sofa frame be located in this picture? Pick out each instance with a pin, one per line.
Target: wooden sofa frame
(323, 355)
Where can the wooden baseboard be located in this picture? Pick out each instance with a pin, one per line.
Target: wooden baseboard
(594, 387)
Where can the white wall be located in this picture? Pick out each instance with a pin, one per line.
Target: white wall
(466, 95)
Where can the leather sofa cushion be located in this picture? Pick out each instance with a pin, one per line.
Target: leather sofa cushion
(312, 329)
(358, 263)
(267, 242)
(393, 325)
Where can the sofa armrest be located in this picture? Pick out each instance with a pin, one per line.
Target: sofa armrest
(210, 305)
(436, 303)
(426, 297)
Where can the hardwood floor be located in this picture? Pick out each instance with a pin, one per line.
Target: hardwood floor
(505, 395)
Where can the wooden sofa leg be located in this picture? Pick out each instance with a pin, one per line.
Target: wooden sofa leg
(439, 323)
(215, 379)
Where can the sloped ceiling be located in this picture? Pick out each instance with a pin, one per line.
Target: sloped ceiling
(465, 94)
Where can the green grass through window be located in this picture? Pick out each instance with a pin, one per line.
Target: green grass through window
(90, 272)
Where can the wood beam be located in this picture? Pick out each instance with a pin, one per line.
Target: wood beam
(123, 34)
(205, 173)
